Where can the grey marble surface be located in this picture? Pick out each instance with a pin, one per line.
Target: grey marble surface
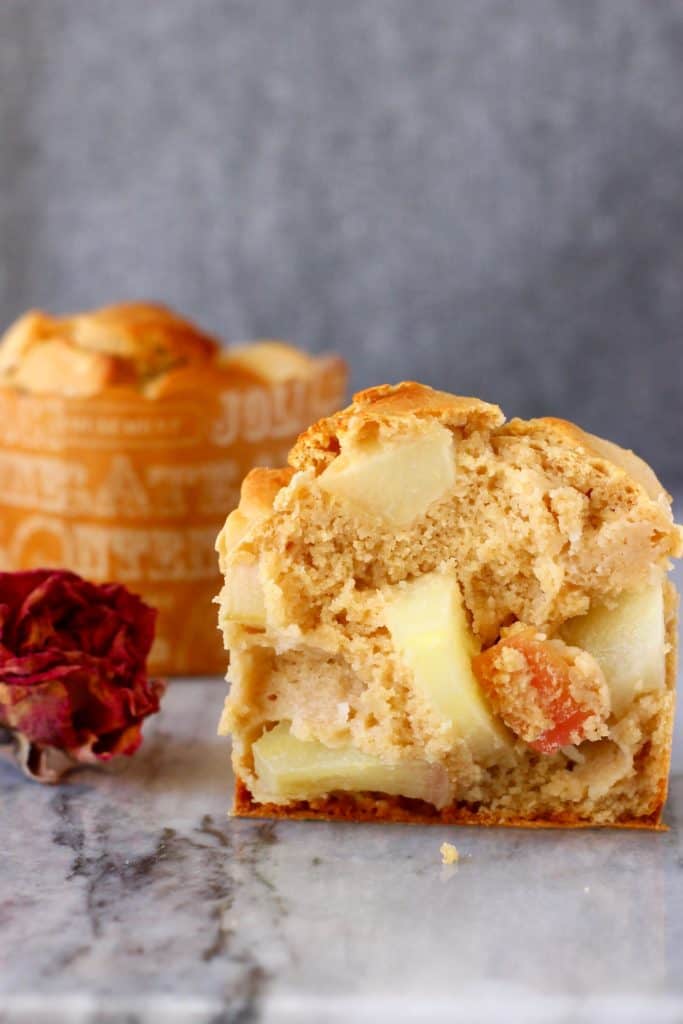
(129, 896)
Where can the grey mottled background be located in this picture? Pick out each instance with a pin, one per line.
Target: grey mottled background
(485, 195)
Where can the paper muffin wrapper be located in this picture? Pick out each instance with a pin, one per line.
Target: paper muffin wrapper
(134, 489)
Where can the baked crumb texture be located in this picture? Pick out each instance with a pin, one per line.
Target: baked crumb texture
(449, 853)
(437, 616)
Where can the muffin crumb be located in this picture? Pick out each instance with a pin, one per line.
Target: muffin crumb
(449, 853)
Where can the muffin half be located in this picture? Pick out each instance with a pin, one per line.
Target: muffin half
(435, 615)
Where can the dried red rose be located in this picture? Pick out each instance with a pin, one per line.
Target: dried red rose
(73, 678)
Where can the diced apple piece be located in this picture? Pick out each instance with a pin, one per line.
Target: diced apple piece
(540, 692)
(396, 481)
(628, 642)
(288, 768)
(428, 626)
(234, 529)
(242, 598)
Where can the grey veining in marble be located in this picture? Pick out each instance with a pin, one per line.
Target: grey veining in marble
(129, 897)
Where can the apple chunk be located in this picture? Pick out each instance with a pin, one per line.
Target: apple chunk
(429, 628)
(627, 641)
(242, 598)
(288, 768)
(396, 480)
(548, 696)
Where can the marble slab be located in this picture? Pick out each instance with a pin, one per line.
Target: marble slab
(129, 896)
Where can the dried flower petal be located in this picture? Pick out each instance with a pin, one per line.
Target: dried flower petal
(73, 673)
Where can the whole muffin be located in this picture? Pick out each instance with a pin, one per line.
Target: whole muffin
(124, 432)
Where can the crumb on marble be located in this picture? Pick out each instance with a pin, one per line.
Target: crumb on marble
(449, 853)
